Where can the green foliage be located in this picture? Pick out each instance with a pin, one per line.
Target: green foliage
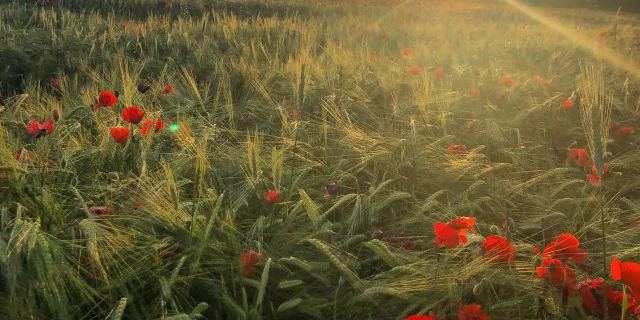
(292, 96)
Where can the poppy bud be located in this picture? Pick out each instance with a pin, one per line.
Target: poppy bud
(143, 88)
(56, 115)
(100, 211)
(113, 176)
(331, 189)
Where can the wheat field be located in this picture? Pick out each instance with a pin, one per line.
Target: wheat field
(200, 159)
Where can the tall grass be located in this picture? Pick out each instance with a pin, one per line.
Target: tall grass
(275, 95)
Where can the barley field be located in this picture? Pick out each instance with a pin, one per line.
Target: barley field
(418, 159)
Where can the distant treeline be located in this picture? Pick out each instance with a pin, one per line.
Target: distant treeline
(627, 5)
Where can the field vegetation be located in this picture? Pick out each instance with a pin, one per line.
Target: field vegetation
(318, 160)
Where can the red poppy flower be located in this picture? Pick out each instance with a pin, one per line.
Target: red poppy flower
(629, 273)
(568, 105)
(624, 131)
(508, 81)
(55, 82)
(383, 35)
(21, 156)
(120, 135)
(249, 260)
(603, 34)
(457, 149)
(55, 114)
(592, 293)
(614, 126)
(580, 156)
(440, 74)
(475, 92)
(565, 247)
(406, 51)
(558, 275)
(331, 189)
(498, 250)
(593, 177)
(106, 99)
(415, 70)
(133, 115)
(421, 317)
(453, 233)
(472, 312)
(37, 130)
(615, 306)
(516, 62)
(167, 89)
(159, 125)
(272, 197)
(146, 127)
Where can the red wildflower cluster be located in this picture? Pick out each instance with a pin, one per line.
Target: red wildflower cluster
(415, 70)
(475, 92)
(624, 131)
(565, 247)
(541, 80)
(559, 275)
(106, 99)
(133, 115)
(498, 250)
(37, 130)
(272, 197)
(120, 135)
(451, 234)
(440, 74)
(167, 89)
(568, 105)
(592, 292)
(472, 312)
(457, 149)
(593, 178)
(249, 260)
(421, 317)
(406, 51)
(146, 127)
(507, 81)
(580, 156)
(629, 273)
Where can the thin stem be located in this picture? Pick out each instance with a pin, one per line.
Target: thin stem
(604, 254)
